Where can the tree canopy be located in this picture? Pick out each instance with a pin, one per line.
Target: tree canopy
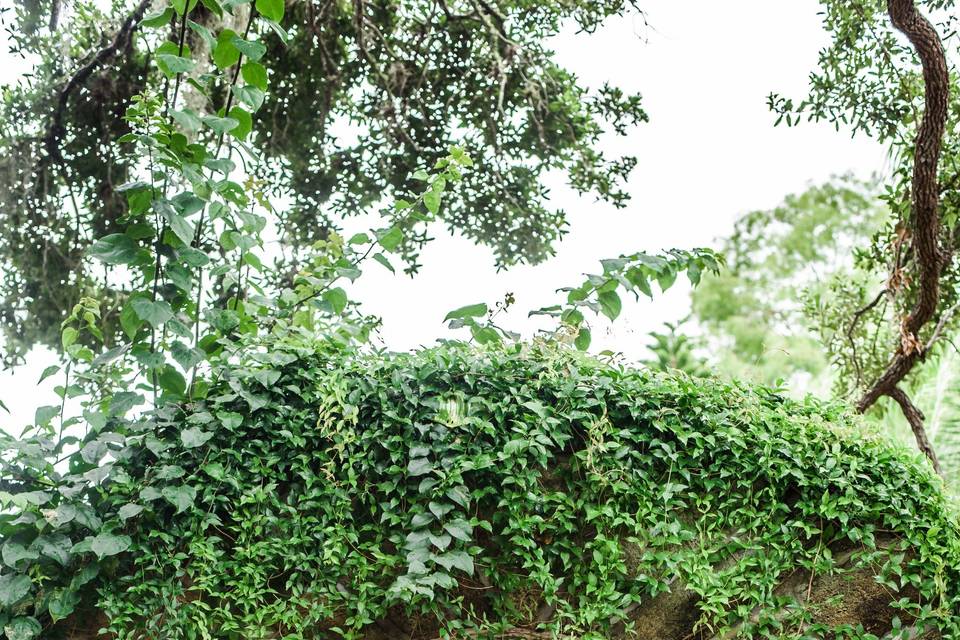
(361, 95)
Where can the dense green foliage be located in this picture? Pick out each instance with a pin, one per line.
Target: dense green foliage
(226, 458)
(318, 494)
(764, 315)
(362, 95)
(787, 307)
(190, 292)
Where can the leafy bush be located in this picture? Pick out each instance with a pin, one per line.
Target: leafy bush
(318, 494)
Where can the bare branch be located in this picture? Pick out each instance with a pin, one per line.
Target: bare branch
(120, 40)
(915, 417)
(853, 325)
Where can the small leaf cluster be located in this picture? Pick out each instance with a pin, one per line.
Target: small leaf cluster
(632, 274)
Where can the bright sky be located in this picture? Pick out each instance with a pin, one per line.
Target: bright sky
(709, 153)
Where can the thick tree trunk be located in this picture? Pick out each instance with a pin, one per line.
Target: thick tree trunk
(925, 222)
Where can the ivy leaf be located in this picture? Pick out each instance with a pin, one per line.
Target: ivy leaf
(63, 514)
(108, 544)
(215, 470)
(390, 238)
(230, 420)
(115, 248)
(226, 54)
(14, 552)
(456, 559)
(181, 497)
(251, 48)
(194, 437)
(439, 509)
(419, 466)
(610, 304)
(469, 311)
(271, 9)
(245, 123)
(254, 74)
(55, 546)
(62, 603)
(156, 312)
(23, 628)
(13, 587)
(421, 520)
(459, 529)
(129, 510)
(148, 494)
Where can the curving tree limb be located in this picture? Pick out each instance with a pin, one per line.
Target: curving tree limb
(925, 215)
(120, 40)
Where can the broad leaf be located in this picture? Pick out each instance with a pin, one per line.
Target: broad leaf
(108, 544)
(469, 311)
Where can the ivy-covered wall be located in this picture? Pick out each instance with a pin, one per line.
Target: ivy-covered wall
(521, 492)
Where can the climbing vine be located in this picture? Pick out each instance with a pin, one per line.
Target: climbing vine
(192, 296)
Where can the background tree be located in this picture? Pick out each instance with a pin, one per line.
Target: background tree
(887, 74)
(363, 93)
(755, 314)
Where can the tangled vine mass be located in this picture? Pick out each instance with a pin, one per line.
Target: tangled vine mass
(510, 492)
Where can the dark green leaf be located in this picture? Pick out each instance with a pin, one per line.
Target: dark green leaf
(114, 249)
(156, 312)
(194, 437)
(108, 544)
(181, 497)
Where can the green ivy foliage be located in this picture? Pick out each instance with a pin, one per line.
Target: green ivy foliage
(317, 493)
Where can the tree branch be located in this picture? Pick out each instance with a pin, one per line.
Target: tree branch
(925, 195)
(915, 417)
(120, 40)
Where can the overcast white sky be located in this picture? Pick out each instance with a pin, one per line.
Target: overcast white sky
(709, 153)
